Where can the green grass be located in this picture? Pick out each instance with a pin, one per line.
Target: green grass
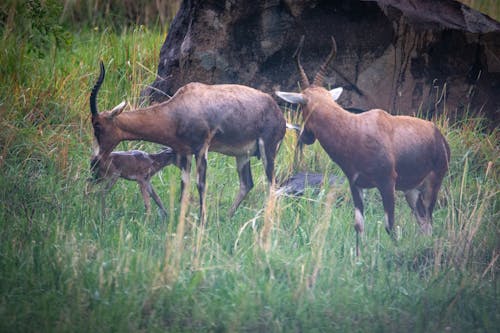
(280, 265)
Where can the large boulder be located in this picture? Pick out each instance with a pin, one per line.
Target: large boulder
(403, 56)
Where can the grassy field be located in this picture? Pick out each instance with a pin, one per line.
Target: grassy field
(281, 264)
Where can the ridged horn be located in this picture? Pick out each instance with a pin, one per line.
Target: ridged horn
(320, 76)
(95, 90)
(304, 81)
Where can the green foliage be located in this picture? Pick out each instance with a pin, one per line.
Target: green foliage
(120, 12)
(34, 23)
(280, 265)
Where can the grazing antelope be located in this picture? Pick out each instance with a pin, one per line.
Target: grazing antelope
(132, 165)
(230, 119)
(374, 149)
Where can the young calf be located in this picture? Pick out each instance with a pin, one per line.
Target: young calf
(133, 165)
(374, 149)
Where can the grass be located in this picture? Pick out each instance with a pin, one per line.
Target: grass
(280, 265)
(488, 7)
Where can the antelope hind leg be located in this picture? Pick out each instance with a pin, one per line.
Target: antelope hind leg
(201, 172)
(246, 182)
(359, 220)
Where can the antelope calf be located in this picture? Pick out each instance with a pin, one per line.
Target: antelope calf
(230, 119)
(133, 165)
(374, 149)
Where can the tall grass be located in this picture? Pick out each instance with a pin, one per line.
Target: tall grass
(488, 7)
(282, 264)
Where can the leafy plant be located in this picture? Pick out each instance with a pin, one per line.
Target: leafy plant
(36, 23)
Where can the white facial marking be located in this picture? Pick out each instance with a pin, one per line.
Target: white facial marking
(336, 93)
(294, 98)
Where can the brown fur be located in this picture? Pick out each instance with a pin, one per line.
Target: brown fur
(233, 120)
(376, 149)
(132, 165)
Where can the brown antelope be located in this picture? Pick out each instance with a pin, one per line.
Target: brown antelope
(230, 119)
(133, 165)
(374, 149)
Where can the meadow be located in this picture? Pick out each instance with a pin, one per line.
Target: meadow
(281, 264)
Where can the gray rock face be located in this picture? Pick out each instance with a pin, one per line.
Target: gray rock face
(404, 56)
(296, 184)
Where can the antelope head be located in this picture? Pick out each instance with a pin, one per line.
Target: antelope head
(106, 134)
(312, 96)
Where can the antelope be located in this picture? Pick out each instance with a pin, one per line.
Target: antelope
(134, 165)
(231, 119)
(374, 149)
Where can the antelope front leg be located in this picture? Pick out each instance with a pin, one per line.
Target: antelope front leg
(103, 205)
(201, 175)
(428, 197)
(414, 199)
(184, 164)
(359, 220)
(246, 182)
(147, 190)
(156, 198)
(387, 191)
(108, 184)
(143, 185)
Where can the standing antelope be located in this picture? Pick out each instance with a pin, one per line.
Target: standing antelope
(230, 119)
(374, 149)
(132, 165)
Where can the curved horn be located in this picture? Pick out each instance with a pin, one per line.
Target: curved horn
(304, 81)
(95, 90)
(320, 76)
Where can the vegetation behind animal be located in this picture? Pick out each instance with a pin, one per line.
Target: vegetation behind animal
(284, 264)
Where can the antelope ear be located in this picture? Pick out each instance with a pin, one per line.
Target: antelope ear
(294, 98)
(118, 109)
(336, 93)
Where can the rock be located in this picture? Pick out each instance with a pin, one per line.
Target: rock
(296, 184)
(407, 57)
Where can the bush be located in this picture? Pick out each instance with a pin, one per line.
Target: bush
(34, 23)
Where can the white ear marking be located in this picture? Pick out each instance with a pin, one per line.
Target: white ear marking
(336, 93)
(118, 109)
(294, 98)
